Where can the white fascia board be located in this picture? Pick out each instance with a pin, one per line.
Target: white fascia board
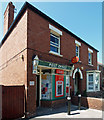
(55, 29)
(78, 43)
(91, 51)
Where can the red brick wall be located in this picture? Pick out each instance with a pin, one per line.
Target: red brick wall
(39, 42)
(54, 104)
(13, 70)
(33, 32)
(12, 67)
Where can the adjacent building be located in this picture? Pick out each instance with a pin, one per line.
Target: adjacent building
(101, 68)
(37, 52)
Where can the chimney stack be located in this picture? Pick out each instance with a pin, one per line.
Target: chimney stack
(8, 16)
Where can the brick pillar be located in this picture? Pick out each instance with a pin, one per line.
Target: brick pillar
(31, 99)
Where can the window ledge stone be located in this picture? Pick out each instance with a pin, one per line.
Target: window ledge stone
(90, 65)
(51, 52)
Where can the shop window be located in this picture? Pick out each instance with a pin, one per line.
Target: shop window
(93, 82)
(90, 82)
(97, 82)
(55, 43)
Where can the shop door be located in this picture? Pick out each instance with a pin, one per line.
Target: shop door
(38, 91)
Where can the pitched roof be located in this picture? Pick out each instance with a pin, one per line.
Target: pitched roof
(34, 9)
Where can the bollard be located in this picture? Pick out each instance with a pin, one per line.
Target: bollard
(79, 101)
(69, 105)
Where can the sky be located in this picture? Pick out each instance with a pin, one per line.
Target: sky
(84, 19)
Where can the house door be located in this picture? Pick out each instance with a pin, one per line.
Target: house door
(37, 90)
(77, 84)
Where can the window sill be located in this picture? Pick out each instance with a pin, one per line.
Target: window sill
(90, 64)
(55, 53)
(93, 90)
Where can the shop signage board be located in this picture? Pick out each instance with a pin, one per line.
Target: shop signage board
(58, 71)
(54, 65)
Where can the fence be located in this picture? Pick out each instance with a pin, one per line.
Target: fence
(12, 101)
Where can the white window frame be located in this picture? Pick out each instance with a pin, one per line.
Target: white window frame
(78, 44)
(78, 50)
(94, 80)
(58, 37)
(90, 63)
(98, 82)
(89, 90)
(57, 32)
(91, 52)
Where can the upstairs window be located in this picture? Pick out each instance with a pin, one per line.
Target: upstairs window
(90, 58)
(77, 51)
(55, 43)
(90, 52)
(55, 35)
(78, 44)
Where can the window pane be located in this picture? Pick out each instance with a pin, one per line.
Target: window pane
(76, 54)
(90, 77)
(59, 89)
(90, 88)
(54, 39)
(97, 82)
(52, 48)
(77, 51)
(89, 58)
(76, 48)
(90, 82)
(96, 86)
(55, 44)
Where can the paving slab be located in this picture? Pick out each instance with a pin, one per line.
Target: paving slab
(62, 113)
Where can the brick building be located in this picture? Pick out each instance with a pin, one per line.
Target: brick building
(101, 68)
(36, 52)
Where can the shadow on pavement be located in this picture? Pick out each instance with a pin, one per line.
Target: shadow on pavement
(48, 111)
(41, 111)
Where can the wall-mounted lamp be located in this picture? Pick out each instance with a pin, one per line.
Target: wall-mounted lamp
(22, 57)
(82, 68)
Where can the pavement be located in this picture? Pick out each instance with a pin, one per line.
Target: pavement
(62, 113)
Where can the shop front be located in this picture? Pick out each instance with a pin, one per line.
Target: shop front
(53, 83)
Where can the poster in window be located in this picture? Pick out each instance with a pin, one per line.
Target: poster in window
(59, 85)
(46, 86)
